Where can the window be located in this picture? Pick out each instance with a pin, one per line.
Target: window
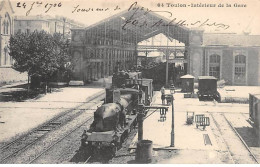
(28, 23)
(214, 71)
(4, 27)
(11, 60)
(214, 66)
(214, 59)
(240, 59)
(19, 31)
(240, 70)
(27, 31)
(6, 24)
(6, 55)
(7, 27)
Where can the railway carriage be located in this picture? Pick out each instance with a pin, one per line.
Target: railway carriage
(208, 88)
(254, 112)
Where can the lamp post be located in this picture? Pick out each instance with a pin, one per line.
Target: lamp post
(172, 90)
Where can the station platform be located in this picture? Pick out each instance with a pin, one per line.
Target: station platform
(190, 145)
(237, 94)
(18, 118)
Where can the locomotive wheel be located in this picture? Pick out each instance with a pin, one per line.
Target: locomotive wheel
(96, 152)
(113, 150)
(217, 97)
(91, 148)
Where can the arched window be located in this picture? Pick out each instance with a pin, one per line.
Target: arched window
(240, 69)
(11, 60)
(214, 66)
(6, 56)
(7, 24)
(240, 59)
(7, 27)
(4, 27)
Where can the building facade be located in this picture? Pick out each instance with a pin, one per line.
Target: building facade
(112, 42)
(99, 57)
(28, 24)
(11, 24)
(230, 57)
(7, 74)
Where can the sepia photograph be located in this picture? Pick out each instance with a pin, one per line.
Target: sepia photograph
(129, 82)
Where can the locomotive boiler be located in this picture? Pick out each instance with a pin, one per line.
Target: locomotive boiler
(112, 116)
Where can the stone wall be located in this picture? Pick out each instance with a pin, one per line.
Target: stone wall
(9, 75)
(253, 67)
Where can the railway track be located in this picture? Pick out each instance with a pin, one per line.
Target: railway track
(236, 146)
(62, 138)
(12, 150)
(51, 121)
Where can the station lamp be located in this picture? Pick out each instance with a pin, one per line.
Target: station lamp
(172, 89)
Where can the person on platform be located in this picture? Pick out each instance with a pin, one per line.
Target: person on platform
(163, 95)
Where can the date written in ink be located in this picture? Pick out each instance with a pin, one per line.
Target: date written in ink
(37, 4)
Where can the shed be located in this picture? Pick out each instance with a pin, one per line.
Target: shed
(187, 83)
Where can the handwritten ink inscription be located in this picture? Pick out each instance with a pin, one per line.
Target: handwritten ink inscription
(135, 11)
(78, 9)
(38, 4)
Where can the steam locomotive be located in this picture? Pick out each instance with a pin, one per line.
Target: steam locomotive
(115, 119)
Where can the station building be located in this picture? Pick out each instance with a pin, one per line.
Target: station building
(231, 57)
(113, 43)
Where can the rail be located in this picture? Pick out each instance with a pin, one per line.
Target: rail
(241, 139)
(15, 147)
(74, 129)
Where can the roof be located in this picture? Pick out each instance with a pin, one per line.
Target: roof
(207, 77)
(128, 90)
(137, 25)
(187, 76)
(2, 5)
(49, 18)
(255, 95)
(230, 39)
(35, 18)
